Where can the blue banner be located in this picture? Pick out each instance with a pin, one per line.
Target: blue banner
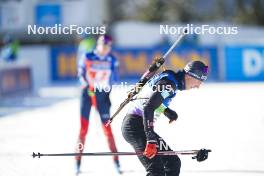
(135, 61)
(244, 63)
(47, 14)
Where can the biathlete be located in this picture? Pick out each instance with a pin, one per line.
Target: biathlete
(153, 99)
(96, 70)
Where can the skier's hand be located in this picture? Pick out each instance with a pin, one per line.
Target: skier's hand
(172, 115)
(150, 150)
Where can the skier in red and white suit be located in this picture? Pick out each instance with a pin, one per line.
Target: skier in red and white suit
(96, 70)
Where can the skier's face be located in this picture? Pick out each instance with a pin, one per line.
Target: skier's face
(103, 49)
(191, 82)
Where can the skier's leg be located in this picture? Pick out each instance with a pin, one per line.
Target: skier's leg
(171, 163)
(111, 143)
(103, 106)
(85, 112)
(133, 132)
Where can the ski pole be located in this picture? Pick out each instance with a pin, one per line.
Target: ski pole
(183, 152)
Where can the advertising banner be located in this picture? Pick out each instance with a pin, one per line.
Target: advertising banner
(244, 63)
(134, 61)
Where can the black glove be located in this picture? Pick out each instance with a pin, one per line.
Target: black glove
(201, 155)
(172, 115)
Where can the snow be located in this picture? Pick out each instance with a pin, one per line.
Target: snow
(227, 118)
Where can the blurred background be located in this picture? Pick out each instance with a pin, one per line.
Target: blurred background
(38, 77)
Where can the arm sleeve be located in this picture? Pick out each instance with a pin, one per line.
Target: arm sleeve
(160, 94)
(82, 71)
(115, 67)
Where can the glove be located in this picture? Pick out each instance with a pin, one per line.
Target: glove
(150, 150)
(172, 115)
(202, 155)
(90, 93)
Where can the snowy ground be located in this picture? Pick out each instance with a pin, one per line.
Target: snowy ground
(227, 118)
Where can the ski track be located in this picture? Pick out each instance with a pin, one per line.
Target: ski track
(227, 118)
